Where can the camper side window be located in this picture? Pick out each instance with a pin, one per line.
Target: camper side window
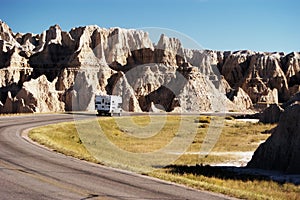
(102, 100)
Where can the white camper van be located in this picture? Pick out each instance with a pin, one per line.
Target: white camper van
(108, 104)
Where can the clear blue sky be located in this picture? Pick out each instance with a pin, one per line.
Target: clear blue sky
(259, 25)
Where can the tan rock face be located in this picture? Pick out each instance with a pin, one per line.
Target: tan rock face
(122, 88)
(36, 95)
(241, 99)
(258, 74)
(281, 150)
(58, 71)
(7, 37)
(40, 95)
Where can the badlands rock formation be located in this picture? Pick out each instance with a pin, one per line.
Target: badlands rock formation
(61, 71)
(281, 151)
(271, 114)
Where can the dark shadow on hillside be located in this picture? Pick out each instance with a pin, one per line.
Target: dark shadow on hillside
(234, 173)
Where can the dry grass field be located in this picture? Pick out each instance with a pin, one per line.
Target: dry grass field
(189, 168)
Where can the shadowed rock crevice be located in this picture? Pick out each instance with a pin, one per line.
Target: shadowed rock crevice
(163, 96)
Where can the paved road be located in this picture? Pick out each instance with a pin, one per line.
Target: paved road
(28, 171)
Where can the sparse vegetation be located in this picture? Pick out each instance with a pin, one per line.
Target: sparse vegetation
(190, 169)
(218, 181)
(229, 118)
(203, 119)
(62, 138)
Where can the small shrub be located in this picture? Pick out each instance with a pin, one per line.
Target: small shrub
(203, 119)
(229, 118)
(203, 126)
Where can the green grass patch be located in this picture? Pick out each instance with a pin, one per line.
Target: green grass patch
(134, 134)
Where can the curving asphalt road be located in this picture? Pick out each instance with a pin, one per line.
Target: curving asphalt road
(28, 171)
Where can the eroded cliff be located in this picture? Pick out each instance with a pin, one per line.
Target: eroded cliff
(61, 71)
